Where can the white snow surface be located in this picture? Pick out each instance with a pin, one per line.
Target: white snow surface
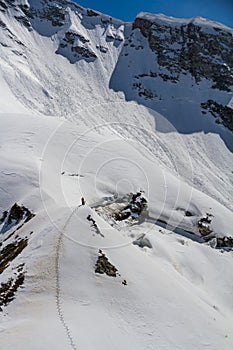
(163, 19)
(65, 134)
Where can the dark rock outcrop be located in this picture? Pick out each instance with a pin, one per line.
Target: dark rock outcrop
(71, 37)
(191, 48)
(3, 6)
(75, 46)
(136, 206)
(217, 110)
(83, 51)
(225, 242)
(92, 13)
(104, 266)
(24, 20)
(50, 12)
(102, 48)
(4, 215)
(94, 225)
(10, 251)
(204, 225)
(9, 289)
(17, 214)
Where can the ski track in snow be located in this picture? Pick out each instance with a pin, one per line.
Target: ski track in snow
(58, 285)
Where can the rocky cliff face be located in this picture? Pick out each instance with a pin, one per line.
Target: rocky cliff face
(204, 52)
(197, 48)
(179, 60)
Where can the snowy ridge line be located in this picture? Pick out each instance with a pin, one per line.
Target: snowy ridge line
(175, 21)
(58, 286)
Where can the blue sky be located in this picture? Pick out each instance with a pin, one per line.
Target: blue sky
(217, 10)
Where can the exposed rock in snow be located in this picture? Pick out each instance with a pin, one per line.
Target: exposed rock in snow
(131, 207)
(92, 13)
(142, 242)
(225, 242)
(104, 266)
(225, 113)
(9, 289)
(75, 46)
(188, 47)
(16, 215)
(204, 225)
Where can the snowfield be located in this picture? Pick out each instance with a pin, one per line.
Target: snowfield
(70, 128)
(178, 292)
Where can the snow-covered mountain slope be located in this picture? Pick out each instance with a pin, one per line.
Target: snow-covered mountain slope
(174, 66)
(34, 59)
(37, 74)
(164, 62)
(93, 107)
(177, 292)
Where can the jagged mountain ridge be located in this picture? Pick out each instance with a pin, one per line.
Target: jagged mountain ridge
(196, 54)
(156, 55)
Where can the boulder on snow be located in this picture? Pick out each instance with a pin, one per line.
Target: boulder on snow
(142, 242)
(120, 216)
(213, 243)
(104, 266)
(188, 213)
(224, 242)
(134, 208)
(204, 225)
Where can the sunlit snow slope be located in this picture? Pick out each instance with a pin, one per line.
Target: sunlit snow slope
(93, 107)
